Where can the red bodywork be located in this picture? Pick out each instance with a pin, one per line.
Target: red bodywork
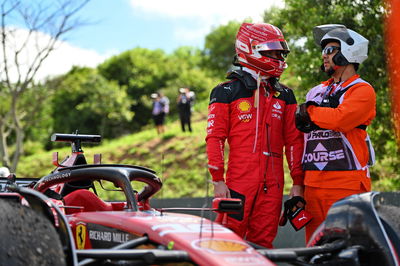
(97, 224)
(207, 243)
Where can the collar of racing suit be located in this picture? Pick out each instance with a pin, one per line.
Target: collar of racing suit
(255, 75)
(254, 81)
(258, 78)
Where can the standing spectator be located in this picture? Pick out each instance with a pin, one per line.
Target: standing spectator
(337, 151)
(165, 102)
(255, 114)
(160, 109)
(185, 104)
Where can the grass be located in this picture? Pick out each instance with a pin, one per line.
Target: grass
(179, 158)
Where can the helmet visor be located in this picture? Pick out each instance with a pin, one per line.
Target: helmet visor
(320, 31)
(267, 46)
(341, 34)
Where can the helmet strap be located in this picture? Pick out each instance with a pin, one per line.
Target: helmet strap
(257, 93)
(341, 75)
(235, 61)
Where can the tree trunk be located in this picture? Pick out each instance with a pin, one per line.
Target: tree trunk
(5, 160)
(19, 149)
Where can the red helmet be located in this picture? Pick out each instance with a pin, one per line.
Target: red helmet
(254, 38)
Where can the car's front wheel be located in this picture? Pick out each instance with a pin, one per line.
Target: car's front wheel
(27, 237)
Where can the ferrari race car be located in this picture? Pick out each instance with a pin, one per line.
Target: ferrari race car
(62, 219)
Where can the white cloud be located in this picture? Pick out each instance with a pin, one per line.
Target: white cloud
(219, 10)
(190, 33)
(204, 14)
(58, 62)
(66, 56)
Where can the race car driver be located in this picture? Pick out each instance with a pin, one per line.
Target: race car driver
(337, 150)
(255, 114)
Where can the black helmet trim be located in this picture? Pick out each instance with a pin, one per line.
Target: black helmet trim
(341, 34)
(320, 31)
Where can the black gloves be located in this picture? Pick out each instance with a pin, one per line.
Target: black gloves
(294, 212)
(302, 118)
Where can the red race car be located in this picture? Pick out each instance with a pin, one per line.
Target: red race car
(68, 223)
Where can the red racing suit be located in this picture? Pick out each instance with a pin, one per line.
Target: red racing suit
(256, 138)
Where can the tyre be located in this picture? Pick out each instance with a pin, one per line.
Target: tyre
(390, 217)
(27, 237)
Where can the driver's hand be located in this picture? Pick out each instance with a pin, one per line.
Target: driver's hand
(221, 190)
(296, 190)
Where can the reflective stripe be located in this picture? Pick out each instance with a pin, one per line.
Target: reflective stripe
(328, 150)
(213, 167)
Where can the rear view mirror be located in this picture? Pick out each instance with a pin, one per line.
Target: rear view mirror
(227, 205)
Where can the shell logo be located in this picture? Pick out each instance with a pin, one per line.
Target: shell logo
(222, 245)
(244, 106)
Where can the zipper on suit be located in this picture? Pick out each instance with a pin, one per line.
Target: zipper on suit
(268, 153)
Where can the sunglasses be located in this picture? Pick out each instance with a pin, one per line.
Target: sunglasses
(330, 49)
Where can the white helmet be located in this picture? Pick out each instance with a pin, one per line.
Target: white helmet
(4, 172)
(353, 46)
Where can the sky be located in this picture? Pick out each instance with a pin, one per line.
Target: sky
(115, 26)
(165, 24)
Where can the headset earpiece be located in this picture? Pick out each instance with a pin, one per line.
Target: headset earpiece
(339, 59)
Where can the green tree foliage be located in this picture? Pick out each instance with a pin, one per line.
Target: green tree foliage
(85, 101)
(297, 21)
(220, 48)
(186, 64)
(143, 72)
(39, 113)
(35, 118)
(19, 71)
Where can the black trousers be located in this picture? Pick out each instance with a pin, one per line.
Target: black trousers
(185, 120)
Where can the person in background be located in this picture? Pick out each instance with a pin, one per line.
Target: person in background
(185, 104)
(255, 114)
(159, 111)
(337, 150)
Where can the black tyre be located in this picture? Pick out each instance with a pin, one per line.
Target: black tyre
(390, 217)
(27, 237)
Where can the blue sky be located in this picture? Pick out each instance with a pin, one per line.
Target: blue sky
(165, 24)
(126, 27)
(115, 26)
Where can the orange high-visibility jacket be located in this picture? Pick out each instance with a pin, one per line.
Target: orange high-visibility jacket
(357, 108)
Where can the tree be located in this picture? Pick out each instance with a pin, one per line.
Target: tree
(85, 101)
(143, 72)
(364, 16)
(186, 66)
(220, 47)
(43, 24)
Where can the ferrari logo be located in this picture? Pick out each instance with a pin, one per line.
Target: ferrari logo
(80, 236)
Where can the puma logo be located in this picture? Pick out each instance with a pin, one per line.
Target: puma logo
(302, 218)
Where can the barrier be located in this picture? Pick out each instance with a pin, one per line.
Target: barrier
(287, 237)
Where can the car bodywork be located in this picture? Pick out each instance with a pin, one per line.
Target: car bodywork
(359, 230)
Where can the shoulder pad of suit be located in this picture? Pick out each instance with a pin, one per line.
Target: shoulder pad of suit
(246, 78)
(277, 86)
